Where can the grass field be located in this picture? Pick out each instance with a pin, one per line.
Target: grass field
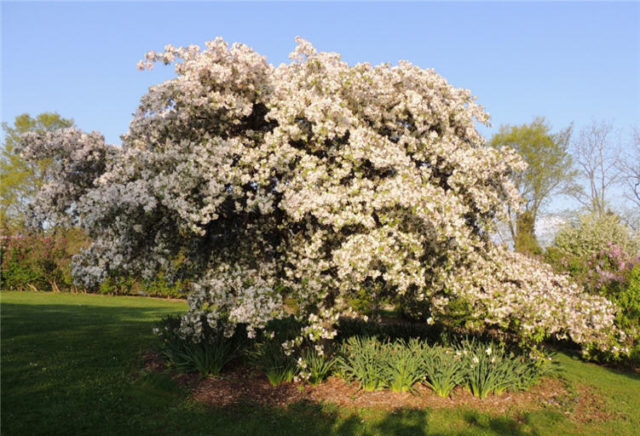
(72, 365)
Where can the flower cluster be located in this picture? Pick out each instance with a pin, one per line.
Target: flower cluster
(77, 158)
(292, 188)
(611, 267)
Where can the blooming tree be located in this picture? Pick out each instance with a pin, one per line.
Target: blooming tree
(290, 189)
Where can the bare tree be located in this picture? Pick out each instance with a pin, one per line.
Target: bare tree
(597, 158)
(630, 167)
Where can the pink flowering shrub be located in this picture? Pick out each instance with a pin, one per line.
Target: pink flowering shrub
(592, 246)
(296, 188)
(600, 254)
(615, 274)
(609, 269)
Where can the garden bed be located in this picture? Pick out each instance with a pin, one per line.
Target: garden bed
(243, 385)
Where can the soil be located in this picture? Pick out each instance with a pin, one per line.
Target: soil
(244, 385)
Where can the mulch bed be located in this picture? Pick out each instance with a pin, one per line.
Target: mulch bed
(246, 386)
(243, 385)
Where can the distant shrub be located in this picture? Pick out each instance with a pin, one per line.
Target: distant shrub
(628, 299)
(157, 287)
(603, 255)
(39, 261)
(577, 242)
(43, 262)
(609, 270)
(525, 241)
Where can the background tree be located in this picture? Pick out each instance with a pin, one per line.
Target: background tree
(598, 164)
(548, 172)
(630, 167)
(20, 179)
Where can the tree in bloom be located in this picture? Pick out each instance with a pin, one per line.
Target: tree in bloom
(292, 189)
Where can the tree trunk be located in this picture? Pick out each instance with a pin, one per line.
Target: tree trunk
(525, 241)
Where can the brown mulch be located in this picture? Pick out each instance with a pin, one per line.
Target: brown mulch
(336, 390)
(243, 385)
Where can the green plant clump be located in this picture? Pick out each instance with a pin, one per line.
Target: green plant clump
(208, 356)
(272, 360)
(363, 360)
(402, 368)
(488, 368)
(318, 366)
(443, 370)
(482, 367)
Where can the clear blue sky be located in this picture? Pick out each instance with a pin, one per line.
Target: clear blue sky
(569, 62)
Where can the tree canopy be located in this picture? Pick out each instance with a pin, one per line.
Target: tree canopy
(549, 171)
(21, 179)
(290, 189)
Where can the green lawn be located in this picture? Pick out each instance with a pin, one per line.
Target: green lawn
(71, 365)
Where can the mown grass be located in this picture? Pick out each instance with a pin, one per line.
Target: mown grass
(71, 364)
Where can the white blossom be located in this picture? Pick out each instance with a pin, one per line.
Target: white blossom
(289, 189)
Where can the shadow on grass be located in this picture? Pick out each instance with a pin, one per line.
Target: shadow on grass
(632, 372)
(498, 425)
(61, 315)
(626, 369)
(313, 419)
(76, 369)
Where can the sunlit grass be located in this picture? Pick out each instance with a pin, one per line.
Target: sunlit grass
(72, 364)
